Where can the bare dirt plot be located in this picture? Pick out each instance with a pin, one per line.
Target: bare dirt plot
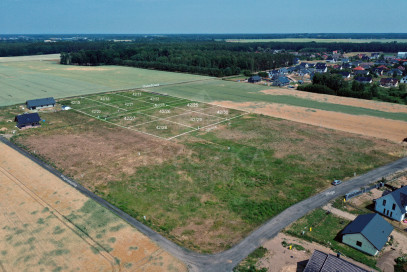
(281, 259)
(369, 104)
(392, 130)
(47, 225)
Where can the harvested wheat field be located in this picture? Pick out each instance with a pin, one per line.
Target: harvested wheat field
(382, 128)
(348, 101)
(46, 225)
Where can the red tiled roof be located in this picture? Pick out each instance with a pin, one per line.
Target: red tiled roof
(359, 68)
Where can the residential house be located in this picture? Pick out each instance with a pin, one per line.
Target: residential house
(345, 74)
(362, 73)
(364, 80)
(254, 79)
(40, 103)
(367, 233)
(283, 71)
(281, 81)
(403, 80)
(378, 71)
(27, 120)
(389, 82)
(374, 55)
(345, 60)
(347, 65)
(296, 60)
(358, 68)
(321, 68)
(304, 65)
(402, 55)
(396, 72)
(337, 67)
(401, 68)
(365, 65)
(331, 59)
(389, 57)
(384, 67)
(393, 205)
(322, 262)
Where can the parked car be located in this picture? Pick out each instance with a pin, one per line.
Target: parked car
(336, 182)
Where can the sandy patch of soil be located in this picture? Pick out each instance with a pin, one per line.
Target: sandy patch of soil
(368, 104)
(87, 68)
(125, 152)
(281, 259)
(36, 234)
(392, 130)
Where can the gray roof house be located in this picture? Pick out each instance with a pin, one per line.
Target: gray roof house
(395, 71)
(27, 120)
(393, 205)
(254, 79)
(364, 80)
(321, 68)
(281, 81)
(40, 103)
(367, 233)
(322, 262)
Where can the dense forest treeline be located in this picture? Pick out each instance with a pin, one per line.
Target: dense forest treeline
(214, 59)
(334, 84)
(21, 48)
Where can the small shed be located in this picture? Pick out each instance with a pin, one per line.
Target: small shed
(40, 103)
(367, 233)
(27, 120)
(254, 79)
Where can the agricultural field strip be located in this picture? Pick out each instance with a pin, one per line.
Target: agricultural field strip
(129, 128)
(104, 103)
(214, 124)
(79, 232)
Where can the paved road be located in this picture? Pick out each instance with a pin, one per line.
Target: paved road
(227, 260)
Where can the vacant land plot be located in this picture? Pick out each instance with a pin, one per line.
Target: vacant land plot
(319, 40)
(207, 188)
(46, 225)
(32, 79)
(392, 130)
(30, 58)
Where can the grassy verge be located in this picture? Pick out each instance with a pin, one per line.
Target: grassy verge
(323, 228)
(249, 264)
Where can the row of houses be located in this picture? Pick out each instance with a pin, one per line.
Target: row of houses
(29, 120)
(370, 232)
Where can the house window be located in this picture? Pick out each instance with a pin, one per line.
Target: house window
(393, 207)
(391, 214)
(384, 202)
(359, 243)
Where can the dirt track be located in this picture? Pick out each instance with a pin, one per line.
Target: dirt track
(392, 130)
(35, 232)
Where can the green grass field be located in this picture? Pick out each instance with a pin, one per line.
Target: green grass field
(25, 80)
(205, 189)
(318, 40)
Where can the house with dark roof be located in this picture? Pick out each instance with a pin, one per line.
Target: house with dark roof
(364, 80)
(281, 81)
(345, 74)
(321, 68)
(362, 72)
(389, 82)
(322, 262)
(367, 233)
(403, 80)
(397, 72)
(378, 71)
(393, 205)
(27, 120)
(40, 103)
(254, 79)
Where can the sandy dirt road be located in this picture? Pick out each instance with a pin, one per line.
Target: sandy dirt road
(46, 225)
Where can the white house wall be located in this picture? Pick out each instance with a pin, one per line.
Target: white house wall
(367, 247)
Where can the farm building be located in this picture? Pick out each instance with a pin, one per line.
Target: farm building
(28, 120)
(321, 262)
(367, 233)
(389, 82)
(393, 205)
(40, 103)
(254, 79)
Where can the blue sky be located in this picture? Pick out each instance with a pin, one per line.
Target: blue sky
(201, 16)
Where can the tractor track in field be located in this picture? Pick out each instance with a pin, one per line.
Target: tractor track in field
(227, 260)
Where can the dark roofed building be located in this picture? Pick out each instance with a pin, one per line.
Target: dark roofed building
(389, 82)
(367, 233)
(281, 81)
(321, 68)
(28, 120)
(40, 103)
(322, 262)
(254, 79)
(364, 80)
